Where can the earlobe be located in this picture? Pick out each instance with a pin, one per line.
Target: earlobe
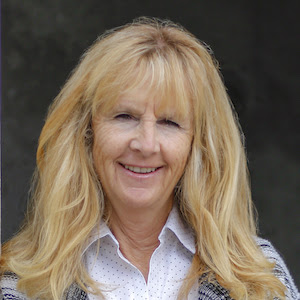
(89, 136)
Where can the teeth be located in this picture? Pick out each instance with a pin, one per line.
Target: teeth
(140, 170)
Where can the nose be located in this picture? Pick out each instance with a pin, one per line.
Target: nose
(146, 139)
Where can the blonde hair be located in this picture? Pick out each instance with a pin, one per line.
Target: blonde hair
(214, 196)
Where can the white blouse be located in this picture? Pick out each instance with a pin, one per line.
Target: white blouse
(169, 264)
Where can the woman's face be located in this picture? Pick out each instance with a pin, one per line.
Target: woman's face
(140, 151)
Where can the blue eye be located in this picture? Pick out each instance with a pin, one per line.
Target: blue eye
(169, 123)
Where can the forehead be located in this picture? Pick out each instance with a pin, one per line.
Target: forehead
(141, 97)
(169, 93)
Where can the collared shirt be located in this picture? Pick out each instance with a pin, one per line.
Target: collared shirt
(169, 264)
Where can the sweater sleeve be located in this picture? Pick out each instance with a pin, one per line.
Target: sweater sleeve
(9, 291)
(8, 288)
(280, 270)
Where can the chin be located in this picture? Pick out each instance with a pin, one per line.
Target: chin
(138, 203)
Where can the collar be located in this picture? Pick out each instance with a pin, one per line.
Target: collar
(175, 224)
(179, 227)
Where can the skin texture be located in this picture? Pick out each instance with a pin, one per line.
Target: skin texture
(138, 133)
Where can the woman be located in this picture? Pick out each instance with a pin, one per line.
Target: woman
(141, 188)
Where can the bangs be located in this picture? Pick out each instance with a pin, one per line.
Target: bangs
(160, 75)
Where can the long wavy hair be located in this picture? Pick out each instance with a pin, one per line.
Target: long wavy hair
(67, 200)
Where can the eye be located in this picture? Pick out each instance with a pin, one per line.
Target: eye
(169, 123)
(124, 117)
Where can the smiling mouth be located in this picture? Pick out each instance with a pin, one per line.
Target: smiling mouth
(139, 170)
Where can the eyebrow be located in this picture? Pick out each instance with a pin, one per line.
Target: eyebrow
(130, 106)
(129, 103)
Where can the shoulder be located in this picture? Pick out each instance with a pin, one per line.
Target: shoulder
(280, 269)
(9, 291)
(212, 291)
(75, 293)
(8, 287)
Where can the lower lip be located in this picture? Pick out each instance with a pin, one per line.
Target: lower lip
(141, 175)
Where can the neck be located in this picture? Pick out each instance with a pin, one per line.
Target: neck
(137, 232)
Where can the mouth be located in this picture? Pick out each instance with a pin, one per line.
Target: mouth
(140, 170)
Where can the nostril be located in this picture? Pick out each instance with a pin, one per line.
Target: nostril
(135, 145)
(145, 138)
(145, 145)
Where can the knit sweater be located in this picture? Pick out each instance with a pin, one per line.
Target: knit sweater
(207, 290)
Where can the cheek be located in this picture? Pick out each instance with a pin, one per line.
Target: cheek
(108, 145)
(178, 151)
(97, 157)
(102, 144)
(183, 156)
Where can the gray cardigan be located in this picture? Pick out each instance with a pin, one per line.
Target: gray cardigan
(207, 290)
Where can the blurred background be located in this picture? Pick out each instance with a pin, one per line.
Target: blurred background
(256, 43)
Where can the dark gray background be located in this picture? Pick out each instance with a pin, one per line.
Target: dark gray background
(255, 43)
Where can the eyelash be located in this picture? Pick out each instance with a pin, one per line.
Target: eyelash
(169, 122)
(163, 121)
(124, 117)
